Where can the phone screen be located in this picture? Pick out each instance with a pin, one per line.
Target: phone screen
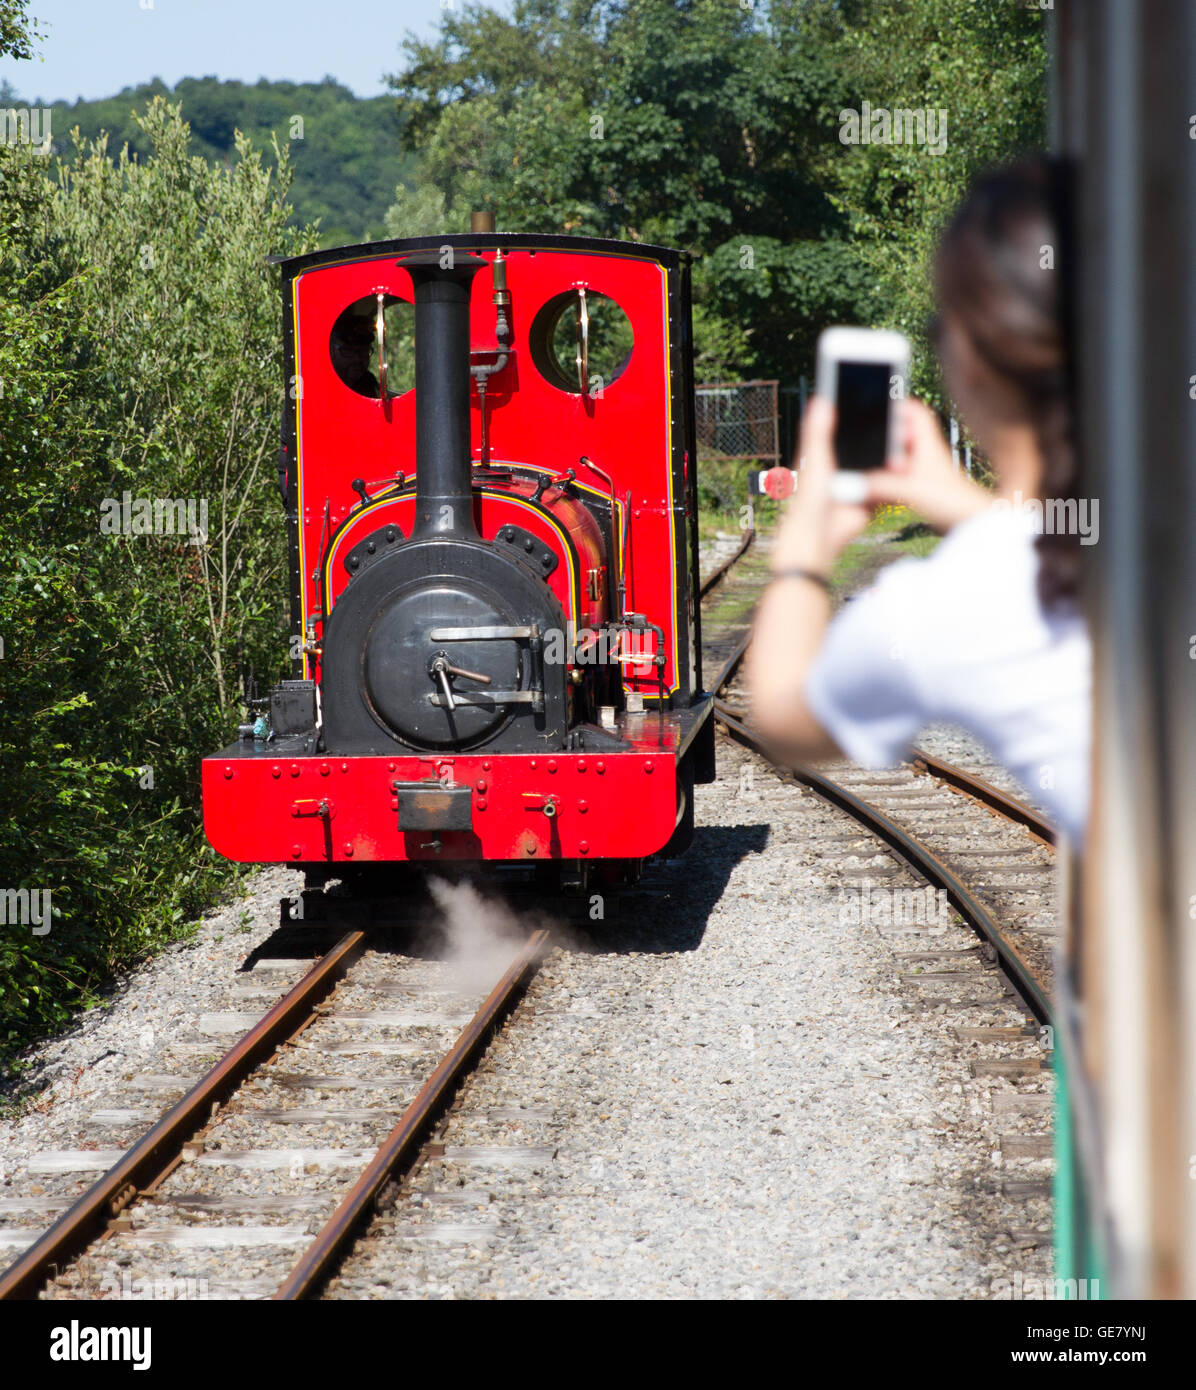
(862, 406)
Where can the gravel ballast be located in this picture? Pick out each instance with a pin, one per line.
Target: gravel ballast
(727, 1089)
(727, 1097)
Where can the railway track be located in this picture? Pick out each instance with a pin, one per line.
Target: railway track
(183, 1167)
(127, 1203)
(990, 857)
(194, 1181)
(1031, 977)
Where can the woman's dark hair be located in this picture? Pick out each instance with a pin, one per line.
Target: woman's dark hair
(1005, 271)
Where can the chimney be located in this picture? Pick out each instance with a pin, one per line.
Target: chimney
(443, 493)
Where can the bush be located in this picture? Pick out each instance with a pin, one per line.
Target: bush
(139, 355)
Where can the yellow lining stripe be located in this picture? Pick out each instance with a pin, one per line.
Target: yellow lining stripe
(566, 547)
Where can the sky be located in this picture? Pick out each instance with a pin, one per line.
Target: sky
(94, 48)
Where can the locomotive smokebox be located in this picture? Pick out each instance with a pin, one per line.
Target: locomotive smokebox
(444, 495)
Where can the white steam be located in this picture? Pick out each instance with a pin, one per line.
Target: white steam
(482, 936)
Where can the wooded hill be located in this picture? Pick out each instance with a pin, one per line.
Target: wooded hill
(345, 150)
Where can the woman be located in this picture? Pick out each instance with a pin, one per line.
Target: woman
(985, 632)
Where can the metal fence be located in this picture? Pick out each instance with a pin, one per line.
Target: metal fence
(738, 420)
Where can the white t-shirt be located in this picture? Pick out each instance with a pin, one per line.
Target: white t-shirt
(960, 637)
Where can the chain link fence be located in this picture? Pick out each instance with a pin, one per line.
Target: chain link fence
(738, 420)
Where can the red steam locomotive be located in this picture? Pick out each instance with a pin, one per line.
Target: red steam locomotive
(493, 559)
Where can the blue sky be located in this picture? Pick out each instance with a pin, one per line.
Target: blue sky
(93, 48)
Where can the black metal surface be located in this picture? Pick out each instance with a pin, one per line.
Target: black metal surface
(443, 489)
(293, 707)
(373, 548)
(379, 687)
(464, 242)
(431, 806)
(688, 606)
(528, 548)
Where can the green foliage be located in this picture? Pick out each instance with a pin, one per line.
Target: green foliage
(715, 126)
(344, 151)
(18, 33)
(694, 123)
(419, 212)
(139, 354)
(632, 120)
(985, 66)
(720, 487)
(781, 295)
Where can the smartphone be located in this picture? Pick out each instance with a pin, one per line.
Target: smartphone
(865, 371)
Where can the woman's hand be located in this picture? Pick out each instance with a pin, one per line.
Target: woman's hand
(923, 475)
(816, 527)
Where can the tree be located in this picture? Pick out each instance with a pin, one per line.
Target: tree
(344, 153)
(653, 120)
(18, 33)
(139, 359)
(984, 68)
(716, 126)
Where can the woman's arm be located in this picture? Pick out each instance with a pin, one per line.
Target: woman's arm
(794, 611)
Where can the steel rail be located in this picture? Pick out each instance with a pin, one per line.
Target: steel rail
(731, 665)
(717, 575)
(149, 1160)
(979, 790)
(916, 854)
(401, 1147)
(1010, 807)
